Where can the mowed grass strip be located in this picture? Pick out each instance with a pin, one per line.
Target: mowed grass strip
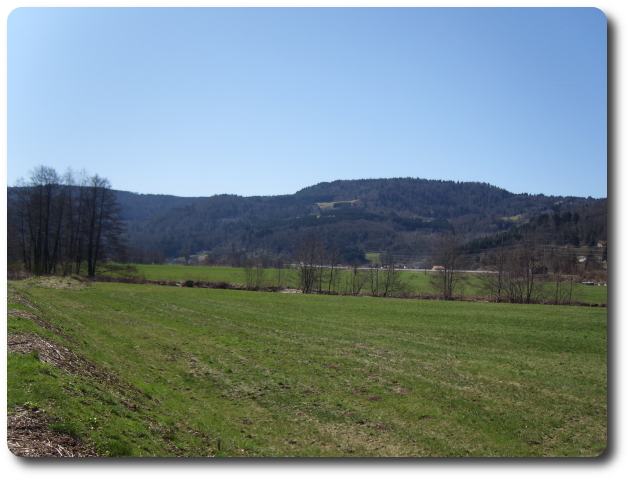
(267, 374)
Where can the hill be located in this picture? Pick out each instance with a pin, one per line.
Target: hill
(585, 226)
(395, 215)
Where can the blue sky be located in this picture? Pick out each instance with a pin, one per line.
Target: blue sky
(197, 102)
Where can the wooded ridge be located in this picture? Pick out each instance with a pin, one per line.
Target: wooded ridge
(394, 215)
(399, 216)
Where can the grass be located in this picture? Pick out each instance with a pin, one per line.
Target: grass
(417, 280)
(325, 205)
(237, 373)
(331, 205)
(374, 258)
(513, 218)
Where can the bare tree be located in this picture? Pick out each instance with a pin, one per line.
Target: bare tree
(333, 258)
(356, 278)
(448, 279)
(37, 211)
(521, 285)
(385, 280)
(57, 222)
(279, 266)
(493, 284)
(563, 274)
(308, 263)
(237, 259)
(75, 223)
(210, 259)
(255, 273)
(373, 279)
(393, 283)
(104, 224)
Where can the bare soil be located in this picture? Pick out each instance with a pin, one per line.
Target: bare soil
(60, 356)
(39, 321)
(28, 435)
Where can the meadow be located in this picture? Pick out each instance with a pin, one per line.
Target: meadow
(203, 372)
(418, 281)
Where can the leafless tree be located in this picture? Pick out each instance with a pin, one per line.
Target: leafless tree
(373, 279)
(522, 266)
(308, 263)
(255, 273)
(333, 258)
(280, 271)
(210, 259)
(104, 225)
(37, 212)
(563, 274)
(493, 284)
(385, 280)
(237, 259)
(356, 278)
(58, 222)
(448, 279)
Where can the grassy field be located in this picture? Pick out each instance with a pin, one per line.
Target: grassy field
(418, 281)
(205, 372)
(373, 257)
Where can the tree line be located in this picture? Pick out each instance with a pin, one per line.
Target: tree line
(317, 268)
(63, 224)
(526, 273)
(522, 273)
(385, 215)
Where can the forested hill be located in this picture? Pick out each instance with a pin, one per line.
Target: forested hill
(137, 206)
(395, 215)
(584, 226)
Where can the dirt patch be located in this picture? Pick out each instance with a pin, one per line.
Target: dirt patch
(39, 321)
(28, 435)
(16, 297)
(65, 359)
(59, 283)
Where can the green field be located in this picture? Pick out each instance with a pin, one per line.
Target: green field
(418, 281)
(207, 372)
(373, 257)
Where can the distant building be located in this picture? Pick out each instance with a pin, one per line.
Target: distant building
(437, 267)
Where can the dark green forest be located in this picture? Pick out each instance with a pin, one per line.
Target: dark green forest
(375, 215)
(403, 217)
(584, 226)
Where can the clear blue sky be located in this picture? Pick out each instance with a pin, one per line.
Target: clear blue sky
(197, 102)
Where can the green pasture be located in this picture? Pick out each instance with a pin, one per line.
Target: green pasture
(325, 205)
(418, 281)
(374, 258)
(513, 218)
(238, 373)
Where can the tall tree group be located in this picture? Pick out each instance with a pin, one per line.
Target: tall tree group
(63, 224)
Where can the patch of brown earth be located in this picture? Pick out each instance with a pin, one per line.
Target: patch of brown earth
(39, 321)
(59, 283)
(60, 356)
(16, 297)
(29, 436)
